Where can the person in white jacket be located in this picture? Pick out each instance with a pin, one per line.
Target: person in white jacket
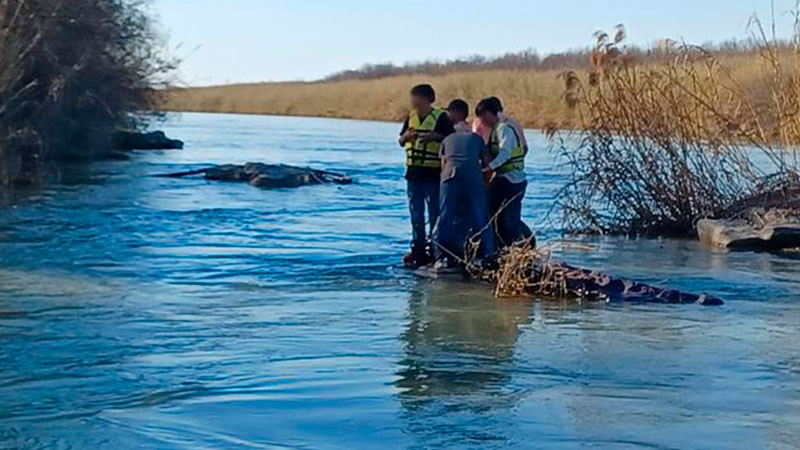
(506, 170)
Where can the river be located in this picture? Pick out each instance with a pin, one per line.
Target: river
(144, 312)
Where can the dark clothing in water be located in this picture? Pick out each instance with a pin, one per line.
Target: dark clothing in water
(463, 199)
(505, 200)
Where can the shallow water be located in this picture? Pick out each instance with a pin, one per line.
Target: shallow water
(142, 312)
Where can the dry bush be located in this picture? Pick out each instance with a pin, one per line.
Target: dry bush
(666, 144)
(72, 71)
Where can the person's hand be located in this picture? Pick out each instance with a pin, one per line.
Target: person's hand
(425, 138)
(410, 135)
(488, 175)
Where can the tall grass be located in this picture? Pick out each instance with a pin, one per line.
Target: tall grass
(535, 97)
(666, 144)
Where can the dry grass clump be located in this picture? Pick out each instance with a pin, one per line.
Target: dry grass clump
(72, 71)
(524, 270)
(667, 144)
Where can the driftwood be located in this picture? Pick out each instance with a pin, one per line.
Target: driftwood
(266, 176)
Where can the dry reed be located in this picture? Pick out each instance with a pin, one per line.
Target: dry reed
(534, 96)
(664, 145)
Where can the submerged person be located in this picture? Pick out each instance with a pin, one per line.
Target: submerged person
(423, 131)
(464, 209)
(506, 170)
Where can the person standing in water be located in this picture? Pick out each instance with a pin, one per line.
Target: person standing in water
(458, 112)
(485, 132)
(506, 170)
(421, 137)
(463, 200)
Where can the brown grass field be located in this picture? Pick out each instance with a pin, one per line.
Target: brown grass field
(535, 97)
(660, 142)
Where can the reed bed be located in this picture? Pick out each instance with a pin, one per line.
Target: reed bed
(665, 145)
(534, 96)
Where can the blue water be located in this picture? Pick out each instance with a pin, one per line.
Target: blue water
(143, 312)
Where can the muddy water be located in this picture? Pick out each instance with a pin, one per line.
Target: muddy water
(141, 312)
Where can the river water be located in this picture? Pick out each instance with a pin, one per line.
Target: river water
(143, 312)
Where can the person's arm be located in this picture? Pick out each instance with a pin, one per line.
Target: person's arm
(444, 128)
(507, 140)
(483, 154)
(406, 135)
(443, 152)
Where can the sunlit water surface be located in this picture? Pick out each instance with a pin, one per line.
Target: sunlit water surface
(143, 312)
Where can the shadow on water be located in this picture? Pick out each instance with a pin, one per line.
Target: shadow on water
(459, 347)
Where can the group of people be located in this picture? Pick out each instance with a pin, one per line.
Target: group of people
(470, 178)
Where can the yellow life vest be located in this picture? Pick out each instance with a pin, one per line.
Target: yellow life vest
(423, 154)
(517, 160)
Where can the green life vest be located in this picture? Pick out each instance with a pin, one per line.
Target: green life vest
(518, 153)
(423, 154)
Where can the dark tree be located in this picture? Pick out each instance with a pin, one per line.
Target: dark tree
(72, 72)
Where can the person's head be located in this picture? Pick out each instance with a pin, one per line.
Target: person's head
(488, 110)
(497, 102)
(422, 97)
(458, 111)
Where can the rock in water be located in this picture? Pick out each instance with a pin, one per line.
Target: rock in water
(756, 229)
(157, 140)
(267, 176)
(227, 172)
(282, 176)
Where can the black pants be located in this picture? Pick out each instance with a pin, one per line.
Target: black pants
(505, 202)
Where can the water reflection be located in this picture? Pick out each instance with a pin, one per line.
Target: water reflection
(144, 312)
(459, 359)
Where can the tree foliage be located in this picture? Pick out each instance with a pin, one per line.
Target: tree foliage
(71, 72)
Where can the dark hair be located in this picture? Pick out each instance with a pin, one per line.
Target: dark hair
(424, 90)
(498, 102)
(491, 105)
(460, 106)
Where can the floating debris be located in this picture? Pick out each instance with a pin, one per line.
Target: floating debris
(267, 176)
(524, 270)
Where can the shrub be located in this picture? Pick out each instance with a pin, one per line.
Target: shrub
(73, 71)
(666, 144)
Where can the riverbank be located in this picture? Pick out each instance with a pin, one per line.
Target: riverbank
(536, 97)
(534, 93)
